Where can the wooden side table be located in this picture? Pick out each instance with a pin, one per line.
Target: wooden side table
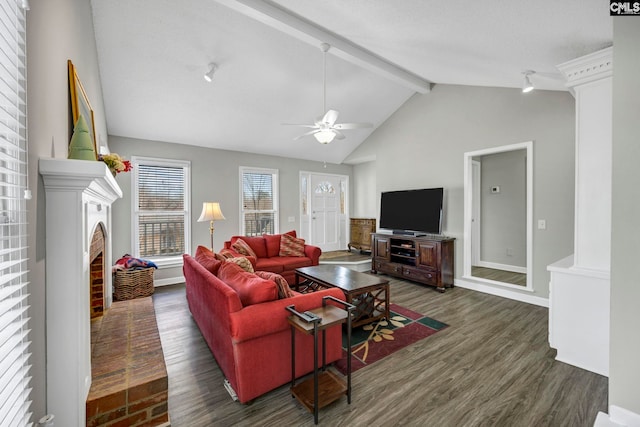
(311, 323)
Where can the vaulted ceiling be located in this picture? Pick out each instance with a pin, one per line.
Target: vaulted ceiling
(153, 55)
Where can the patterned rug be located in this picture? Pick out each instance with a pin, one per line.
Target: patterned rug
(375, 341)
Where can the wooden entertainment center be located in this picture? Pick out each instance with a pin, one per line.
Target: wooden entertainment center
(423, 259)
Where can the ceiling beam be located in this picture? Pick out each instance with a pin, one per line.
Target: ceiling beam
(295, 25)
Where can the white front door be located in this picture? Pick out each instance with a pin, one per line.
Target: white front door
(325, 212)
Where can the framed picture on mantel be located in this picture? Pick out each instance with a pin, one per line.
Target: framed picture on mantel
(80, 103)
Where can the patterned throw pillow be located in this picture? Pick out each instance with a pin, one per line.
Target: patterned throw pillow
(227, 253)
(208, 259)
(243, 248)
(284, 291)
(291, 246)
(243, 262)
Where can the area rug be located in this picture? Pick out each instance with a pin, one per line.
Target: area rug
(373, 342)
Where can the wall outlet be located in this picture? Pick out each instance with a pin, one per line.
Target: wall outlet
(291, 219)
(542, 224)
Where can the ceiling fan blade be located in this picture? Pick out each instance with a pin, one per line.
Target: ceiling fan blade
(311, 132)
(344, 126)
(339, 135)
(299, 124)
(330, 117)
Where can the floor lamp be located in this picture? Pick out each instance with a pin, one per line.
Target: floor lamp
(211, 212)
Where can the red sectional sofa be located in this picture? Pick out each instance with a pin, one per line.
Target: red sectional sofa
(252, 343)
(267, 249)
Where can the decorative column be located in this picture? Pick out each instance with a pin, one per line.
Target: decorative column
(79, 194)
(579, 291)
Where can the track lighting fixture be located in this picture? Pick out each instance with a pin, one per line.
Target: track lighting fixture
(527, 86)
(25, 4)
(208, 76)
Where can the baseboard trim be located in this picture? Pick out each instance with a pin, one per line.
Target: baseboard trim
(168, 281)
(503, 292)
(505, 267)
(617, 417)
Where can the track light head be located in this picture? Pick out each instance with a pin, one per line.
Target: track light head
(527, 85)
(25, 5)
(208, 76)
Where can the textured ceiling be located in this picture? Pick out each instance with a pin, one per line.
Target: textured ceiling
(153, 54)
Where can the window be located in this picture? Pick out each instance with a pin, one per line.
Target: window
(14, 322)
(161, 209)
(259, 201)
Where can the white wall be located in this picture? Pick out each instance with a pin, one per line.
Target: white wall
(214, 178)
(624, 371)
(364, 205)
(423, 143)
(57, 30)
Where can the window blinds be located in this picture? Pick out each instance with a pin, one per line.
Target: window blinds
(14, 322)
(259, 201)
(161, 210)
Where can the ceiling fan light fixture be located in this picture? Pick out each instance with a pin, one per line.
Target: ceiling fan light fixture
(325, 136)
(527, 85)
(208, 76)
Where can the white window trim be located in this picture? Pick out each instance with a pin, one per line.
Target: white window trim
(169, 261)
(276, 195)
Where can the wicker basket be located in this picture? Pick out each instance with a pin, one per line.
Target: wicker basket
(130, 284)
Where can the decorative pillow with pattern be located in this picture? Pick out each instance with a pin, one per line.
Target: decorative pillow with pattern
(228, 253)
(243, 262)
(291, 246)
(284, 291)
(243, 248)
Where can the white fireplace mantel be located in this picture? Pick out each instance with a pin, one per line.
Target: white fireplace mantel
(79, 195)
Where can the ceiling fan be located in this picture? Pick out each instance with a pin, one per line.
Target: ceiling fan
(325, 128)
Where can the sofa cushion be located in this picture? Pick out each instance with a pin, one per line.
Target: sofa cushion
(243, 262)
(284, 291)
(293, 262)
(208, 259)
(257, 244)
(250, 288)
(228, 253)
(291, 246)
(273, 265)
(273, 242)
(243, 248)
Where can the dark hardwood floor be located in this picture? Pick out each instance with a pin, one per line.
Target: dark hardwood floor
(491, 367)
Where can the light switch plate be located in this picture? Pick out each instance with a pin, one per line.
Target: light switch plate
(542, 224)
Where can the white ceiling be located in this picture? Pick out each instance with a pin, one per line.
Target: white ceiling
(153, 55)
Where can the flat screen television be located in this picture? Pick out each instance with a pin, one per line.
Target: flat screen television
(412, 211)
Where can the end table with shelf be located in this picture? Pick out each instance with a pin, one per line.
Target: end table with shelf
(326, 387)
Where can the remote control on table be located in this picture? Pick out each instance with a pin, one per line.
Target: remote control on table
(311, 317)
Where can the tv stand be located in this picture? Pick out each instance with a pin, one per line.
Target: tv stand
(425, 259)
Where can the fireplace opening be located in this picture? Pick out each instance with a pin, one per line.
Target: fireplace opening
(96, 272)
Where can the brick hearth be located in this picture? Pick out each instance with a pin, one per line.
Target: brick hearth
(129, 377)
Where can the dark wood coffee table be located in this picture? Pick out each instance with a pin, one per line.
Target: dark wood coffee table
(370, 294)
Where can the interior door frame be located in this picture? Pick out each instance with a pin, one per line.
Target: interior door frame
(468, 215)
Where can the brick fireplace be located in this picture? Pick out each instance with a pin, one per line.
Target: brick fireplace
(97, 272)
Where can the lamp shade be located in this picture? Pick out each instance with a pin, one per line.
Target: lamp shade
(211, 212)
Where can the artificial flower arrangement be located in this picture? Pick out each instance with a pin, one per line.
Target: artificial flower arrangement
(115, 163)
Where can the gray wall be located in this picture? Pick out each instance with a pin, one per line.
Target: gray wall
(57, 30)
(624, 370)
(365, 187)
(423, 143)
(214, 178)
(504, 214)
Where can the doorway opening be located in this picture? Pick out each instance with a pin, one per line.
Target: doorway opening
(498, 215)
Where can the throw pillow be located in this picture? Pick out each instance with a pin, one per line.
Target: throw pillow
(208, 259)
(228, 253)
(243, 262)
(250, 288)
(284, 291)
(243, 248)
(291, 246)
(273, 242)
